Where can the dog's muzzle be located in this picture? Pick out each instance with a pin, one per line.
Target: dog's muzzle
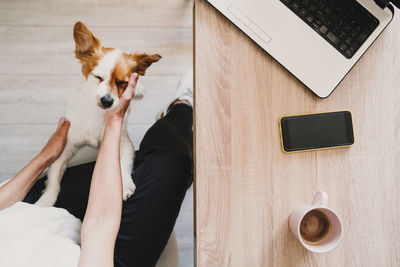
(107, 101)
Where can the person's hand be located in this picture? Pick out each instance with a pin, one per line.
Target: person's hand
(124, 101)
(55, 146)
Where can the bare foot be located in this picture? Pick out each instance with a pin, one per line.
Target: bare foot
(55, 146)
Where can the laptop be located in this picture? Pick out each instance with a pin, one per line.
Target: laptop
(318, 41)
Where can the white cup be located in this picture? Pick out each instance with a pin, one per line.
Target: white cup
(335, 232)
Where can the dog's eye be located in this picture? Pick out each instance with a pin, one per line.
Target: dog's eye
(99, 78)
(122, 83)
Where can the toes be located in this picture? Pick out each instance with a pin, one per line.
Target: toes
(128, 187)
(128, 192)
(127, 195)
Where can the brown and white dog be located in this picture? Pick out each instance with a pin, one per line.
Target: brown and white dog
(105, 76)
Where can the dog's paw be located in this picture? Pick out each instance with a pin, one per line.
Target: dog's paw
(128, 187)
(47, 200)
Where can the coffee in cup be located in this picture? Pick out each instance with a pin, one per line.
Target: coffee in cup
(314, 227)
(317, 227)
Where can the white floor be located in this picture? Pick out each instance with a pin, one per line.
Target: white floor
(38, 71)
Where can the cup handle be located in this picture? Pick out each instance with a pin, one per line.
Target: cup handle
(320, 199)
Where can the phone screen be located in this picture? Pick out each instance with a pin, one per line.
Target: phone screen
(315, 131)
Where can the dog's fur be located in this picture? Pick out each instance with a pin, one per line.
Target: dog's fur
(105, 73)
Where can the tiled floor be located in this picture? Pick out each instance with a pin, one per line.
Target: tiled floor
(38, 71)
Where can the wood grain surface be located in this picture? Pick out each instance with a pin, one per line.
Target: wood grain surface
(246, 187)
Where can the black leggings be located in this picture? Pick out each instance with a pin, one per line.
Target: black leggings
(162, 174)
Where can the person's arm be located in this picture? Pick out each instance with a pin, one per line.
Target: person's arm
(103, 215)
(16, 189)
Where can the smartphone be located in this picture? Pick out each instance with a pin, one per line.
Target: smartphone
(317, 131)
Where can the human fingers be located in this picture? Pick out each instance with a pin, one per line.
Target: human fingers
(130, 89)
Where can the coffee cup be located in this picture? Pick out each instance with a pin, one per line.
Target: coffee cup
(318, 228)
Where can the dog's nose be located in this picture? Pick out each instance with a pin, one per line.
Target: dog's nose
(107, 101)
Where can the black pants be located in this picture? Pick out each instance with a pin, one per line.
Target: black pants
(162, 174)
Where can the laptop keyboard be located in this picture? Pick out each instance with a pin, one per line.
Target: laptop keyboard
(345, 24)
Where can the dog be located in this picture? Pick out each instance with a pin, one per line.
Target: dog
(105, 76)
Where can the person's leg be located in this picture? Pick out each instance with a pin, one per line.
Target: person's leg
(173, 132)
(163, 172)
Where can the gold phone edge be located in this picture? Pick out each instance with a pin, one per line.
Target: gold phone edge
(313, 149)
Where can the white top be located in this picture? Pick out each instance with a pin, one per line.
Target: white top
(38, 236)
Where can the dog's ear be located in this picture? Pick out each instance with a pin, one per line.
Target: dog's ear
(88, 48)
(86, 43)
(143, 61)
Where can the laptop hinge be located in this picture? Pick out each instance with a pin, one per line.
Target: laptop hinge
(384, 3)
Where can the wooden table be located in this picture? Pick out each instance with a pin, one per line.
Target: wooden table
(245, 186)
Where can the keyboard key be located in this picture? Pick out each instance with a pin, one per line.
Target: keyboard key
(333, 38)
(303, 12)
(350, 52)
(328, 11)
(295, 6)
(321, 16)
(323, 29)
(371, 27)
(336, 30)
(343, 47)
(354, 34)
(347, 28)
(305, 3)
(348, 40)
(355, 45)
(334, 18)
(341, 35)
(312, 8)
(345, 24)
(321, 4)
(363, 36)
